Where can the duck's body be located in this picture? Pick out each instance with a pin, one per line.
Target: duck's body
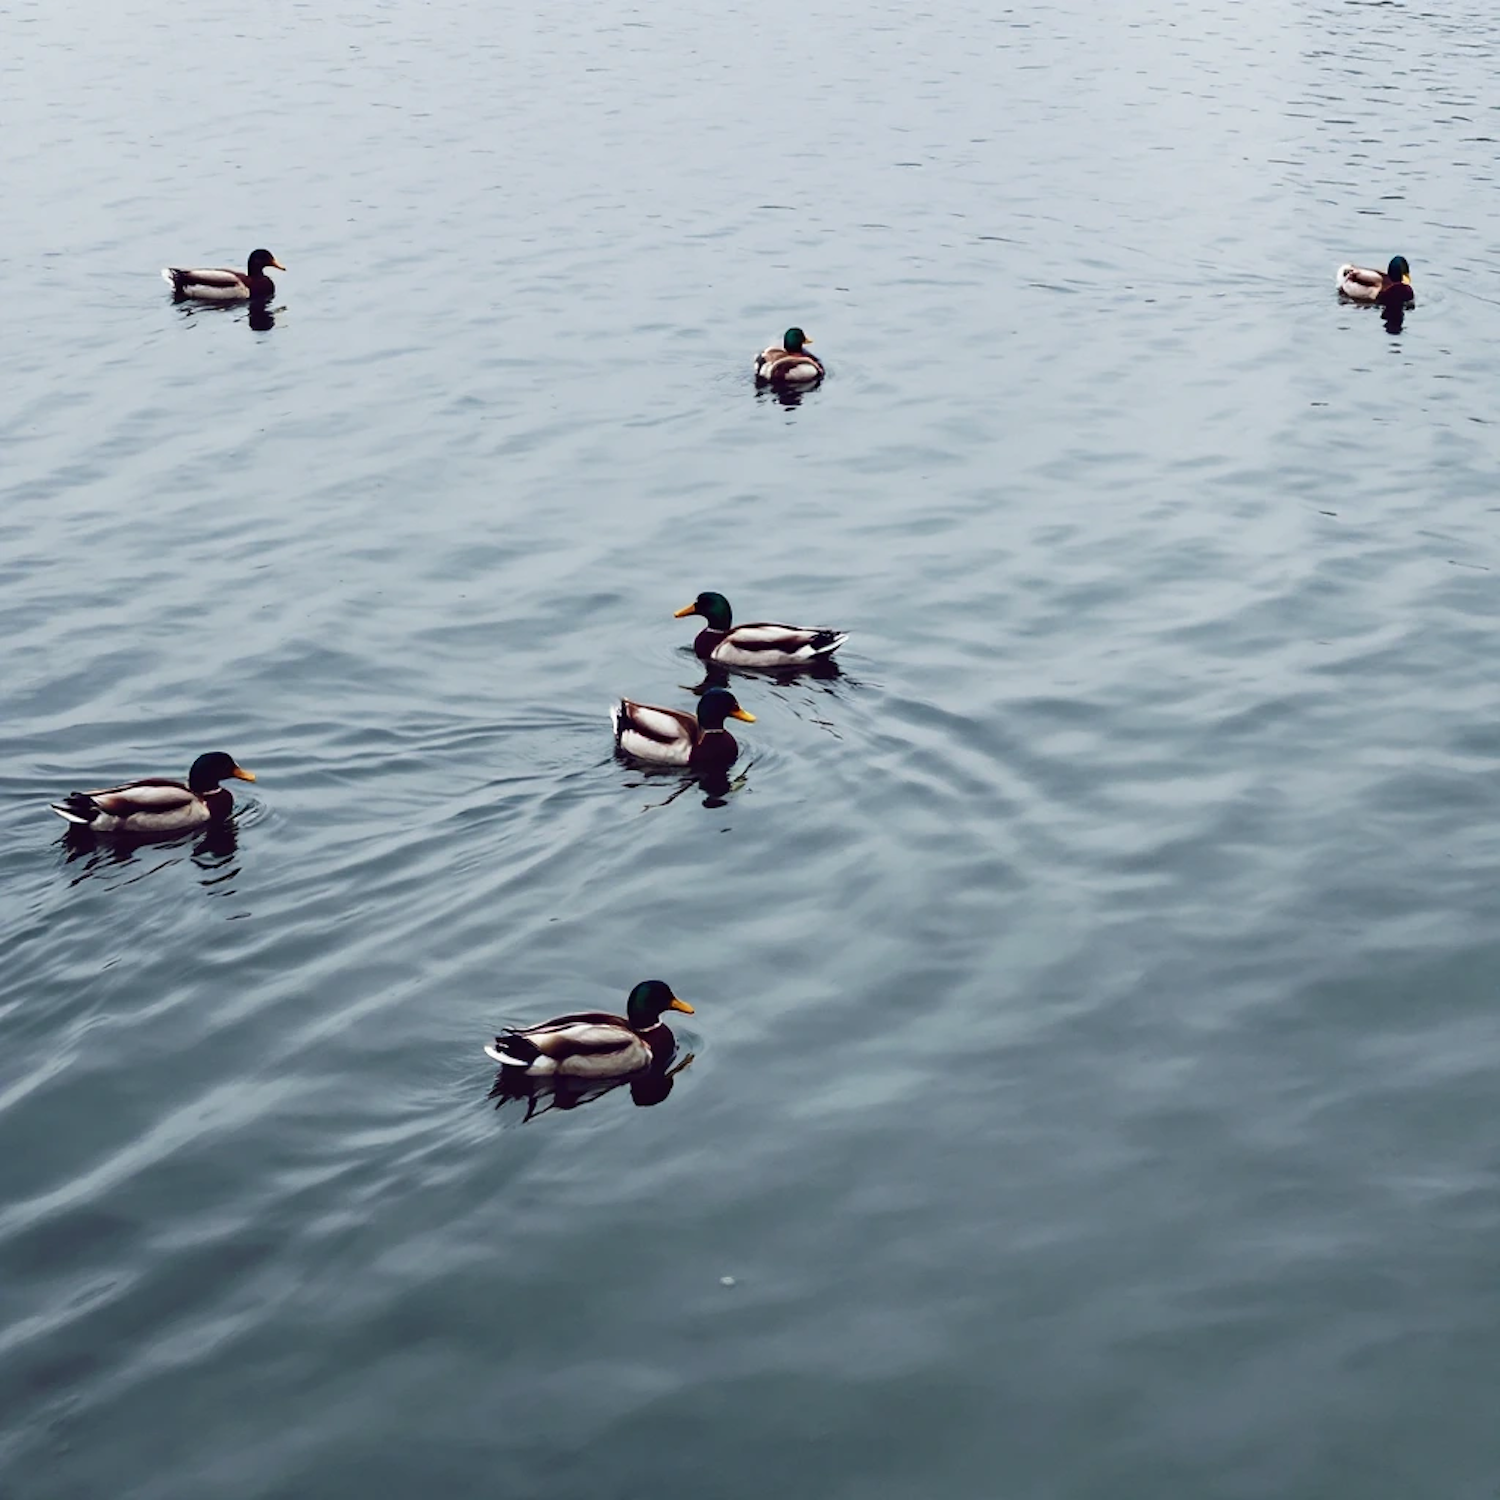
(222, 284)
(762, 644)
(1391, 287)
(594, 1043)
(669, 737)
(156, 806)
(788, 363)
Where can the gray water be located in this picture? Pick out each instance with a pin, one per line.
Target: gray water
(1094, 1069)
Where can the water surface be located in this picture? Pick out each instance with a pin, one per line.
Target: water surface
(1093, 1073)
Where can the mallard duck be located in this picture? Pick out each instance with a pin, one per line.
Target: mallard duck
(788, 363)
(155, 805)
(672, 738)
(223, 284)
(1390, 287)
(594, 1043)
(760, 645)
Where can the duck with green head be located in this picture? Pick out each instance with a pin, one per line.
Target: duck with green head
(669, 737)
(788, 363)
(762, 644)
(1390, 287)
(155, 806)
(594, 1043)
(223, 283)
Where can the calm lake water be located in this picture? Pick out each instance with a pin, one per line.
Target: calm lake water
(1095, 1067)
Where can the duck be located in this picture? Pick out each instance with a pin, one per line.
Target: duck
(1390, 287)
(154, 805)
(222, 284)
(669, 737)
(788, 363)
(759, 645)
(594, 1043)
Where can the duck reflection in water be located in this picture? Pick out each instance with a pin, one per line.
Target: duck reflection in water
(213, 851)
(260, 316)
(714, 782)
(784, 395)
(542, 1095)
(715, 674)
(584, 1055)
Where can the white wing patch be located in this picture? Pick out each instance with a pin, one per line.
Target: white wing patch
(577, 1049)
(768, 645)
(658, 721)
(654, 733)
(238, 292)
(580, 1034)
(644, 748)
(1363, 285)
(208, 283)
(767, 635)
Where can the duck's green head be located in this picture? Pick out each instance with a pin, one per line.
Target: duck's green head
(209, 770)
(793, 340)
(647, 1002)
(260, 259)
(713, 607)
(1398, 270)
(718, 704)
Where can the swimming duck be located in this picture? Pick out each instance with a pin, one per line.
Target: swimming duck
(669, 737)
(225, 285)
(760, 645)
(594, 1043)
(155, 805)
(788, 363)
(1390, 287)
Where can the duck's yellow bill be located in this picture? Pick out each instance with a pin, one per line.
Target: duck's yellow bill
(1407, 280)
(742, 715)
(687, 609)
(277, 264)
(241, 774)
(681, 1005)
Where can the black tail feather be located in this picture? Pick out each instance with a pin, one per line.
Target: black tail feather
(513, 1044)
(79, 806)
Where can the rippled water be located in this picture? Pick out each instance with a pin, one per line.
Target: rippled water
(1094, 1066)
